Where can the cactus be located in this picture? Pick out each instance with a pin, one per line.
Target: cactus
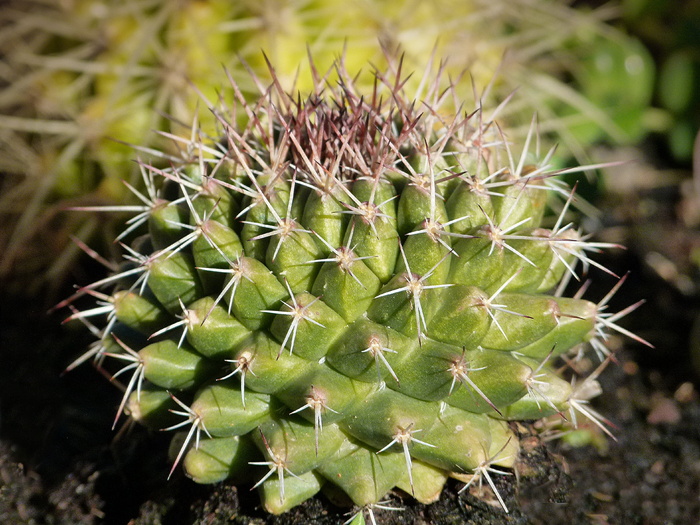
(351, 292)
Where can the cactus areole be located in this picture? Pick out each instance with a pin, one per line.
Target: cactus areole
(347, 292)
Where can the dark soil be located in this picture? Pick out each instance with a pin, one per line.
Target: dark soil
(61, 464)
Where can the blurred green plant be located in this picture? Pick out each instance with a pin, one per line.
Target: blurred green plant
(617, 77)
(671, 30)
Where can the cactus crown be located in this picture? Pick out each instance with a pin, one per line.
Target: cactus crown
(348, 292)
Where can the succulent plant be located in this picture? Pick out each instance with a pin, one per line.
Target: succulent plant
(351, 292)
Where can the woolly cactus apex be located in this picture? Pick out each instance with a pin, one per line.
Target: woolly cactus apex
(350, 294)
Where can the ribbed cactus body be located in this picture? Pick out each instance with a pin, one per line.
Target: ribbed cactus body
(349, 292)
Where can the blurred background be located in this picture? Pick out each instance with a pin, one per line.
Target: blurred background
(84, 81)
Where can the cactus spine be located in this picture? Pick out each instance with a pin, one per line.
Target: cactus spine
(349, 291)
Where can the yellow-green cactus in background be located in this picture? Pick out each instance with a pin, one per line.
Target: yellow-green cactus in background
(83, 79)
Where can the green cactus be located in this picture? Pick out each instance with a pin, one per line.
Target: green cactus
(349, 293)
